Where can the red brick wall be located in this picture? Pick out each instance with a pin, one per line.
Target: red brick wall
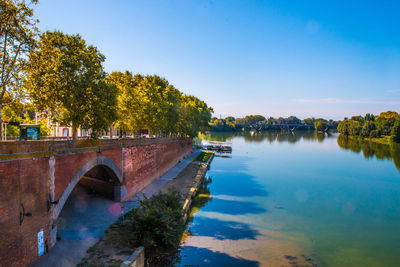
(143, 164)
(27, 181)
(22, 182)
(67, 166)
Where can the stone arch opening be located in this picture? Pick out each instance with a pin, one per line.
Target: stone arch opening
(88, 203)
(101, 180)
(99, 174)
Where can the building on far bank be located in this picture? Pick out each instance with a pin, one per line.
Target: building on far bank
(66, 131)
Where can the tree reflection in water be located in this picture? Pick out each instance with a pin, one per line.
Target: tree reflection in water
(271, 136)
(371, 149)
(368, 148)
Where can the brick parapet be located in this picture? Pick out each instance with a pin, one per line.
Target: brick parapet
(29, 149)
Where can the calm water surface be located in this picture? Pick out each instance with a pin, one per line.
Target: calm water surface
(298, 199)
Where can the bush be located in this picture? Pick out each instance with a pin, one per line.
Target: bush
(158, 226)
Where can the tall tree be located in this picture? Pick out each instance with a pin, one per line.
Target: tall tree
(395, 133)
(17, 38)
(66, 80)
(130, 106)
(195, 116)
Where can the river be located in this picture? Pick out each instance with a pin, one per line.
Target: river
(302, 199)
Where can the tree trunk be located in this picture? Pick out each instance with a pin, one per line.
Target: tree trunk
(74, 128)
(111, 135)
(1, 122)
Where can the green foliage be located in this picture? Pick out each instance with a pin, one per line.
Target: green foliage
(369, 117)
(204, 156)
(195, 116)
(230, 119)
(350, 127)
(359, 118)
(371, 126)
(150, 102)
(367, 128)
(66, 81)
(260, 123)
(17, 38)
(23, 113)
(250, 119)
(309, 121)
(321, 125)
(222, 125)
(395, 133)
(385, 121)
(158, 225)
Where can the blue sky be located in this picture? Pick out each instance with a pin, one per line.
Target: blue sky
(274, 58)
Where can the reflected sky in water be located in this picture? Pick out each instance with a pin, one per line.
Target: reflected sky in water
(303, 198)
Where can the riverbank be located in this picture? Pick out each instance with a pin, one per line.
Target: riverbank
(117, 243)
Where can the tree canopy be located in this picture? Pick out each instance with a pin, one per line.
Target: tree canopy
(17, 38)
(66, 81)
(151, 102)
(372, 126)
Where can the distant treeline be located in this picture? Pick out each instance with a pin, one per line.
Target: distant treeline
(259, 122)
(386, 125)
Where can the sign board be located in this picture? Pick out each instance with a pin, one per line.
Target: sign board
(40, 242)
(33, 133)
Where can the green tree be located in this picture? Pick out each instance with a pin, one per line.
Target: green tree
(194, 116)
(17, 38)
(357, 118)
(367, 128)
(251, 119)
(395, 133)
(146, 102)
(66, 81)
(129, 105)
(321, 125)
(369, 117)
(385, 121)
(309, 121)
(230, 119)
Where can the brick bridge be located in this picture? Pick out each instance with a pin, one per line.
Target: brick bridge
(36, 178)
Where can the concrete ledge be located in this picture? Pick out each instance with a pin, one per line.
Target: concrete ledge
(136, 259)
(199, 177)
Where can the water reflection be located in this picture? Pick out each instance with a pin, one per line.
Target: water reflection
(304, 204)
(270, 136)
(206, 257)
(222, 230)
(238, 184)
(371, 149)
(233, 207)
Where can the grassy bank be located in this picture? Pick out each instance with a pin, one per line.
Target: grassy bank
(204, 156)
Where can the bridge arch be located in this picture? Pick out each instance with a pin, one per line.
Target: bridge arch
(89, 165)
